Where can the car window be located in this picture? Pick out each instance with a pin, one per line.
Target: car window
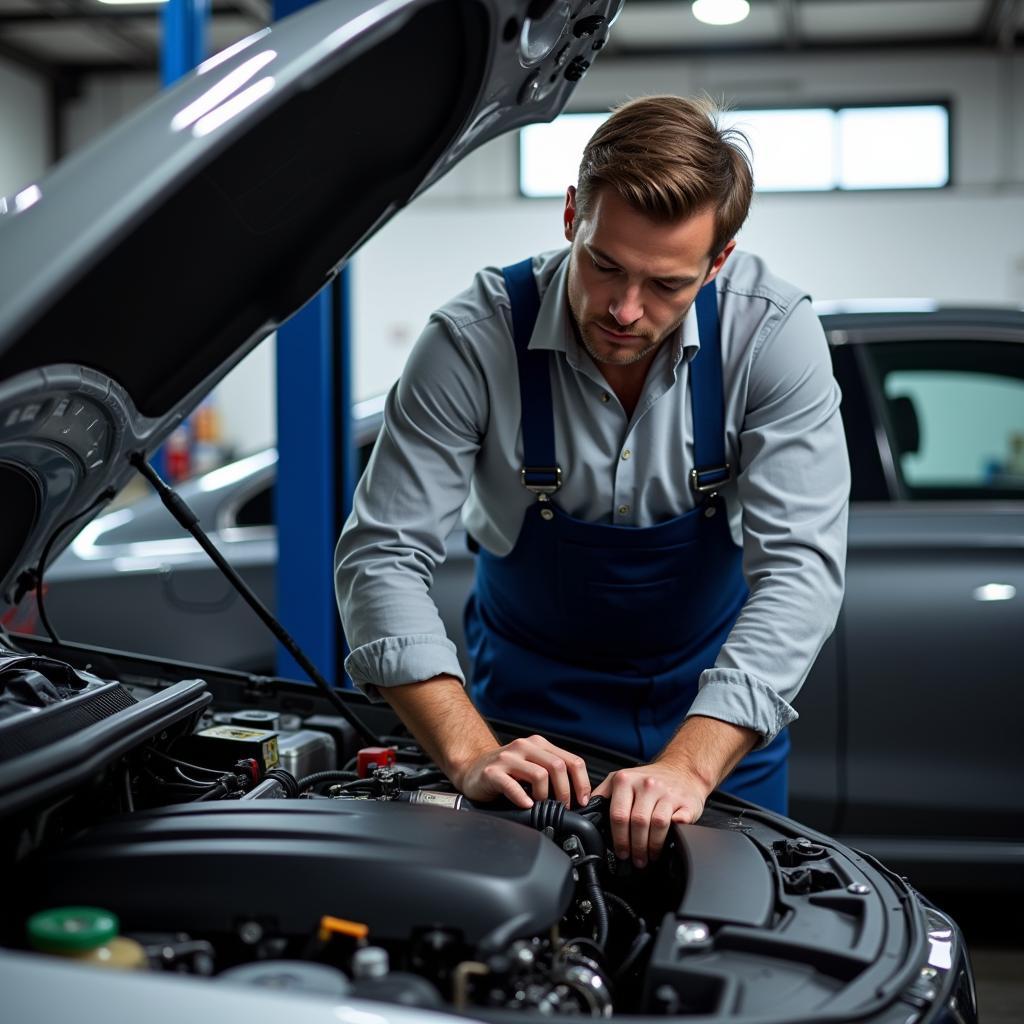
(258, 510)
(953, 413)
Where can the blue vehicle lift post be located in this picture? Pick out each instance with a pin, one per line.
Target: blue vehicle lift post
(182, 47)
(316, 470)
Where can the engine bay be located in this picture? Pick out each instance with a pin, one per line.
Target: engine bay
(239, 831)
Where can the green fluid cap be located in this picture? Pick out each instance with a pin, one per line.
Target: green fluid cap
(71, 929)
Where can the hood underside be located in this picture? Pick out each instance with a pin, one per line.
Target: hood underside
(140, 270)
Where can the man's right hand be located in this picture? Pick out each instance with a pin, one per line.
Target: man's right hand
(550, 771)
(458, 740)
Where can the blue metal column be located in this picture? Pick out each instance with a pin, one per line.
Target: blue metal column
(182, 47)
(184, 37)
(316, 466)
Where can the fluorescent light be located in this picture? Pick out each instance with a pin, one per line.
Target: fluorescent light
(720, 12)
(995, 592)
(134, 3)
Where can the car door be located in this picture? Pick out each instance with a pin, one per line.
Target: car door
(933, 620)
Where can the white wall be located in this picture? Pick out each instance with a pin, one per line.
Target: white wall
(247, 401)
(964, 243)
(24, 127)
(103, 101)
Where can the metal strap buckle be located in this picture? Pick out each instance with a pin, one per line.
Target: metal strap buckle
(541, 480)
(722, 473)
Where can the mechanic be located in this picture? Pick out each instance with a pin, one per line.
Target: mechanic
(642, 433)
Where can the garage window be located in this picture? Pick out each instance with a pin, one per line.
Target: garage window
(809, 149)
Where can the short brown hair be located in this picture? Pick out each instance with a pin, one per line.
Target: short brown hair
(667, 157)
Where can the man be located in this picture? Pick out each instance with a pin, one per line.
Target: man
(657, 482)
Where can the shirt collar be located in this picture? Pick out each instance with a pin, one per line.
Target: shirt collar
(554, 329)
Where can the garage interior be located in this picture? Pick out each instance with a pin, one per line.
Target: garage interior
(72, 69)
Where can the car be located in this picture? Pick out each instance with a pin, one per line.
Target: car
(137, 557)
(288, 850)
(933, 406)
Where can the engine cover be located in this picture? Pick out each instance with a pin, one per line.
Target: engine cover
(206, 868)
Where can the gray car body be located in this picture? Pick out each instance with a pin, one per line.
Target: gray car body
(906, 744)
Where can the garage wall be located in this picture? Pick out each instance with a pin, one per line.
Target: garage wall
(959, 244)
(24, 131)
(103, 101)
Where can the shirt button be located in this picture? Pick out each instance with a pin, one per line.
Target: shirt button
(605, 397)
(626, 454)
(623, 510)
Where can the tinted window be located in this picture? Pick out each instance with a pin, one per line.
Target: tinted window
(257, 510)
(953, 413)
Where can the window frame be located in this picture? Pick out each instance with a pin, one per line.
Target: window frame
(946, 103)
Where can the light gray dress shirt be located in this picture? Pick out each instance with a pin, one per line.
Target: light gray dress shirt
(452, 443)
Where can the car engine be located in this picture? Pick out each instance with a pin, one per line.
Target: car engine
(238, 831)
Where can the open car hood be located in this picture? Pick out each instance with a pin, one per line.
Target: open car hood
(140, 270)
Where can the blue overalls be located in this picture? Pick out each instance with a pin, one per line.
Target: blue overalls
(600, 632)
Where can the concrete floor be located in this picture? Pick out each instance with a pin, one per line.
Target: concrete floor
(991, 923)
(1000, 977)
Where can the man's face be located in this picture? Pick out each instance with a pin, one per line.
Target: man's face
(632, 279)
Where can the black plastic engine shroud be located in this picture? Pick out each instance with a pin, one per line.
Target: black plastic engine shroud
(205, 868)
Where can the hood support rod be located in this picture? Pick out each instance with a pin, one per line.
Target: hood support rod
(184, 515)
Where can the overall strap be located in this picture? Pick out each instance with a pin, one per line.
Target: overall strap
(540, 473)
(711, 470)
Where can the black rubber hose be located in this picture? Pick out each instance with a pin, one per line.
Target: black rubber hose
(215, 792)
(598, 907)
(312, 780)
(288, 781)
(552, 814)
(184, 515)
(618, 901)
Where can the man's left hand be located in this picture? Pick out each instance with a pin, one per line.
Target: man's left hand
(644, 803)
(646, 800)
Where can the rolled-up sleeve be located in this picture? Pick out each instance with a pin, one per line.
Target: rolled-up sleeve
(404, 507)
(793, 486)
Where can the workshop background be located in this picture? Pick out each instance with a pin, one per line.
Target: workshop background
(69, 69)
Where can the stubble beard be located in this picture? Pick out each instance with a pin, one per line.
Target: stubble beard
(627, 359)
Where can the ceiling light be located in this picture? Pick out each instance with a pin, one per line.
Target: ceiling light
(720, 12)
(135, 3)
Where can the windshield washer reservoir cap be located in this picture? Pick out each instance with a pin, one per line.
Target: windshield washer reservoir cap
(71, 929)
